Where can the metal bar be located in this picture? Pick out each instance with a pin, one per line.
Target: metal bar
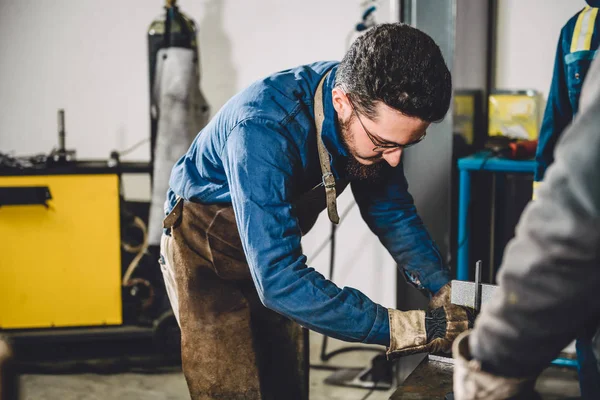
(462, 253)
(482, 162)
(565, 362)
(478, 286)
(493, 217)
(79, 334)
(463, 293)
(413, 13)
(61, 131)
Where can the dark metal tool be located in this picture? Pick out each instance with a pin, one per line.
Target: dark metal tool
(61, 155)
(477, 303)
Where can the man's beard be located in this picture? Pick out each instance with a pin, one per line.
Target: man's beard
(354, 169)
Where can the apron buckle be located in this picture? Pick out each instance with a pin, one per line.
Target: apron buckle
(328, 180)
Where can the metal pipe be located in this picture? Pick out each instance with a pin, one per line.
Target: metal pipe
(61, 131)
(565, 362)
(462, 271)
(413, 13)
(324, 355)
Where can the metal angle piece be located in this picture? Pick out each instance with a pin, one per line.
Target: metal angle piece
(463, 293)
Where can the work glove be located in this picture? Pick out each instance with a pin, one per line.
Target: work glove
(442, 297)
(433, 331)
(472, 383)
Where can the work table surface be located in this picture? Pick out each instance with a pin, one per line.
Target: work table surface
(432, 380)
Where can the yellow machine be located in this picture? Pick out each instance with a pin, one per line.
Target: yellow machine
(61, 259)
(70, 249)
(69, 262)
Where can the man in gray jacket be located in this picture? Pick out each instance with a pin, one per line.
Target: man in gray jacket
(550, 276)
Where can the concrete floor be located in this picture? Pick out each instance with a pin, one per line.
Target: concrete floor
(170, 384)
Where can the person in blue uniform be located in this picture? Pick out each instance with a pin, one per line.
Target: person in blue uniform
(577, 47)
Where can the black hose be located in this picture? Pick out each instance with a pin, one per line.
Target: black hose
(324, 355)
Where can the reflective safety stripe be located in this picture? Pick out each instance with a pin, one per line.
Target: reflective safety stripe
(536, 185)
(584, 29)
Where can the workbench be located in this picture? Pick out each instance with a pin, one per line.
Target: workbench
(432, 380)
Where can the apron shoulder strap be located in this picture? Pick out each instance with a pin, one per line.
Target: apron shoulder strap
(328, 178)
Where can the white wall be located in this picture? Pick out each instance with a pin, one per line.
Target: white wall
(527, 35)
(90, 57)
(470, 65)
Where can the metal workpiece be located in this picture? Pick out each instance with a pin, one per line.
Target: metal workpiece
(432, 380)
(477, 305)
(464, 293)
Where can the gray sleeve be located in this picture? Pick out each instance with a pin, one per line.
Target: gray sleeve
(550, 276)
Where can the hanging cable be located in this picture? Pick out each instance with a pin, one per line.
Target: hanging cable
(132, 148)
(324, 244)
(331, 240)
(141, 251)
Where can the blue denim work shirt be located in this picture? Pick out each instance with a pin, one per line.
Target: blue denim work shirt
(577, 48)
(259, 153)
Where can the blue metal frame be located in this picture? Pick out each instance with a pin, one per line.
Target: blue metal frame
(484, 161)
(564, 362)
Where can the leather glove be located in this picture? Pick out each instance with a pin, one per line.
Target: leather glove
(418, 331)
(442, 297)
(472, 383)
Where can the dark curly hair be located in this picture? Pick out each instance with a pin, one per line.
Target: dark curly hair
(400, 66)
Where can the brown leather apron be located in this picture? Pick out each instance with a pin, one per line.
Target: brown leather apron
(232, 346)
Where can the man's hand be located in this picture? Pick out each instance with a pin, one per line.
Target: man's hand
(442, 297)
(472, 383)
(444, 324)
(433, 331)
